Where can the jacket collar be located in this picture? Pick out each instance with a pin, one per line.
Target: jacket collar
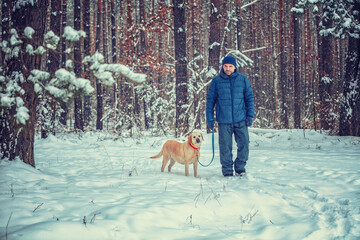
(233, 75)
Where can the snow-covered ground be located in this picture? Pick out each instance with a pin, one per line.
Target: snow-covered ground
(300, 185)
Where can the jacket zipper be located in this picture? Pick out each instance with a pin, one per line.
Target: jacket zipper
(232, 99)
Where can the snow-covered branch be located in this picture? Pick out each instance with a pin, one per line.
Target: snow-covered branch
(340, 14)
(104, 71)
(253, 49)
(64, 84)
(249, 4)
(241, 58)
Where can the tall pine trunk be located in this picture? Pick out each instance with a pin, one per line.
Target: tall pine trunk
(53, 63)
(99, 94)
(283, 111)
(63, 105)
(6, 127)
(325, 79)
(180, 66)
(297, 79)
(214, 41)
(19, 141)
(197, 63)
(238, 25)
(78, 111)
(350, 111)
(5, 23)
(87, 75)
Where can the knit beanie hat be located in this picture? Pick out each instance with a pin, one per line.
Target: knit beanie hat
(229, 60)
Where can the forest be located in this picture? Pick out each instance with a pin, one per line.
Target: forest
(132, 66)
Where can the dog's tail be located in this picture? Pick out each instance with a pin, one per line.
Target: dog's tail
(158, 155)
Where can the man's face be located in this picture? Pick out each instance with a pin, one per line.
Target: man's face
(228, 69)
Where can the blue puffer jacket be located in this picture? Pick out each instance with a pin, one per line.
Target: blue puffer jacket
(233, 97)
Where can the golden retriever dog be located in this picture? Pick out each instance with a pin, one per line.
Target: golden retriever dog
(185, 153)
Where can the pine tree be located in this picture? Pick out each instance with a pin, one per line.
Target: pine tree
(180, 67)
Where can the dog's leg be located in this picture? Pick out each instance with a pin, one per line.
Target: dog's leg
(186, 169)
(172, 162)
(195, 168)
(165, 161)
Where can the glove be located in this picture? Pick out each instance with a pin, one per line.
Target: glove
(211, 125)
(248, 121)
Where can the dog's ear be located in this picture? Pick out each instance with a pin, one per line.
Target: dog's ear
(189, 137)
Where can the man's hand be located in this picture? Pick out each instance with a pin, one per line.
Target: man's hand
(248, 121)
(211, 125)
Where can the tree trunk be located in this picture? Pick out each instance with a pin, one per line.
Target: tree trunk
(142, 30)
(238, 24)
(63, 105)
(142, 55)
(283, 79)
(297, 79)
(350, 112)
(197, 63)
(53, 64)
(5, 21)
(114, 54)
(214, 41)
(99, 94)
(87, 75)
(326, 78)
(35, 16)
(7, 128)
(180, 66)
(20, 139)
(78, 111)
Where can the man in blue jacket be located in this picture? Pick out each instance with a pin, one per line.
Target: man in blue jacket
(231, 93)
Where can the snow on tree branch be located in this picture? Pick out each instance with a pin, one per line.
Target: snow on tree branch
(338, 17)
(64, 84)
(104, 72)
(241, 58)
(249, 4)
(72, 35)
(29, 32)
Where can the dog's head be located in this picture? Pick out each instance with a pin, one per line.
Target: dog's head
(195, 139)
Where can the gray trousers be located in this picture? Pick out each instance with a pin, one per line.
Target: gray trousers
(241, 133)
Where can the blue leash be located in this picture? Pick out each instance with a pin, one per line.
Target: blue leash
(213, 150)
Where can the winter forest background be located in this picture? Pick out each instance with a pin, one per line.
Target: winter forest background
(130, 66)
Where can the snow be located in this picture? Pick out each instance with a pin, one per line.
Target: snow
(326, 80)
(297, 10)
(104, 71)
(40, 50)
(214, 44)
(4, 45)
(69, 64)
(51, 40)
(211, 73)
(23, 3)
(76, 84)
(249, 4)
(29, 32)
(30, 49)
(72, 35)
(299, 185)
(22, 115)
(15, 52)
(6, 101)
(38, 75)
(14, 40)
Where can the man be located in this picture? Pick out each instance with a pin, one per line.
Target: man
(231, 93)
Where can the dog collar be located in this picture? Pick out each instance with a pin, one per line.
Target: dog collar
(193, 146)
